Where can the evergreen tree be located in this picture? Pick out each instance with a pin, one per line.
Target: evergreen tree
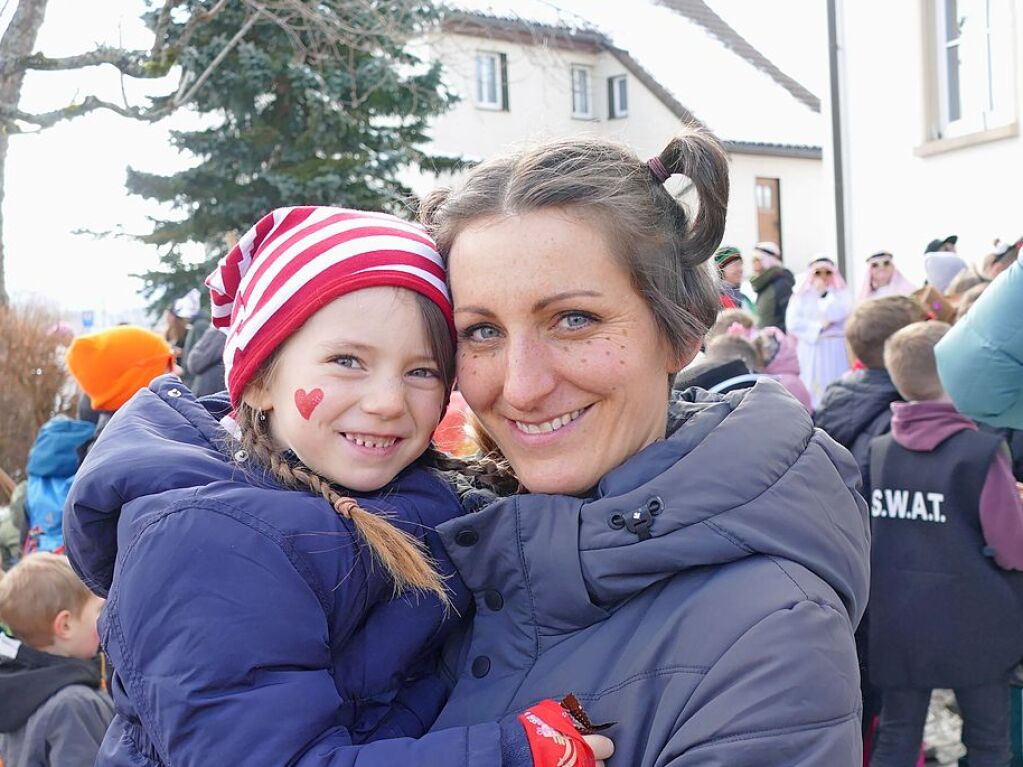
(304, 113)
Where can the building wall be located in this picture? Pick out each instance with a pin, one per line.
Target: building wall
(803, 211)
(898, 199)
(540, 100)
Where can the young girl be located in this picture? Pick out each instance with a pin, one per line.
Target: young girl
(279, 595)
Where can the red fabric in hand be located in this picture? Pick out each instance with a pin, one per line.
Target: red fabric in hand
(553, 738)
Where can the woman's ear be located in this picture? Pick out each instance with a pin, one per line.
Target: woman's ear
(679, 359)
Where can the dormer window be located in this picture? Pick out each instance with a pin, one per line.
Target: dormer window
(617, 97)
(492, 80)
(582, 96)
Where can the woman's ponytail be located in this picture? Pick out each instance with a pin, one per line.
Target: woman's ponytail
(698, 155)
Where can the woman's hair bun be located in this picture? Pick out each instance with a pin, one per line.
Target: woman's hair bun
(698, 155)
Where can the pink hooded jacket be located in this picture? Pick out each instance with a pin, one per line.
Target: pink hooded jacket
(784, 368)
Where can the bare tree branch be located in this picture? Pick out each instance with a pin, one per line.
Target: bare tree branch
(131, 63)
(88, 104)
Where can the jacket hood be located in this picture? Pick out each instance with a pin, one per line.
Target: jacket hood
(54, 453)
(739, 475)
(786, 360)
(184, 448)
(770, 276)
(28, 678)
(923, 426)
(852, 403)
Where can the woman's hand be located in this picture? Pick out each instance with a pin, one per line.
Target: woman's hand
(602, 747)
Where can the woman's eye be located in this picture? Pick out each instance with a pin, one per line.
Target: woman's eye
(348, 361)
(480, 333)
(575, 320)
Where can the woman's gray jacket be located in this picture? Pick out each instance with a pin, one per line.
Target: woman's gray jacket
(703, 598)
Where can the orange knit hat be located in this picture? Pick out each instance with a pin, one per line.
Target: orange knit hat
(112, 365)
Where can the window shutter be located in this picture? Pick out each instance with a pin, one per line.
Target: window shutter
(611, 98)
(504, 83)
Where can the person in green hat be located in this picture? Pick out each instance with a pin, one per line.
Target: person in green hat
(728, 260)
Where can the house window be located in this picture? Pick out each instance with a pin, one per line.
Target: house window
(582, 98)
(974, 65)
(617, 97)
(492, 80)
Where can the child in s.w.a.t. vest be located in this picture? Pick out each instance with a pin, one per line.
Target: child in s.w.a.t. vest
(946, 601)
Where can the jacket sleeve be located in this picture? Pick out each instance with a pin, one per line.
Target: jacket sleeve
(207, 351)
(980, 360)
(786, 693)
(219, 632)
(1001, 514)
(767, 303)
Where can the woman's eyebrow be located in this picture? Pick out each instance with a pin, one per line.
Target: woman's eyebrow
(474, 310)
(543, 303)
(539, 306)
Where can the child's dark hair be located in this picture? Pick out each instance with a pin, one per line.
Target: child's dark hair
(873, 322)
(402, 555)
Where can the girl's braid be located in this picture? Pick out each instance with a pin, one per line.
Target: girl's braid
(403, 556)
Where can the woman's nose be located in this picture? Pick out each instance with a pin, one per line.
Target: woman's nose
(529, 373)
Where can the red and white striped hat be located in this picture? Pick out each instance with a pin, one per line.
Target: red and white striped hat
(295, 261)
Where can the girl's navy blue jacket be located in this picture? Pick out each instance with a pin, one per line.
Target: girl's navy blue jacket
(245, 621)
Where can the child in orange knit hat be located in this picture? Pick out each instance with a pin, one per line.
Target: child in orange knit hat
(113, 364)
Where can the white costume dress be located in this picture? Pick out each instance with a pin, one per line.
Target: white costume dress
(818, 323)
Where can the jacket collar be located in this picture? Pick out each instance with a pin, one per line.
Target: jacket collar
(680, 503)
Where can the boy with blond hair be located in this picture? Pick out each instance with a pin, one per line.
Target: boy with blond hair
(53, 712)
(946, 612)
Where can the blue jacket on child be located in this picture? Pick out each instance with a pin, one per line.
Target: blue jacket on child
(51, 467)
(245, 622)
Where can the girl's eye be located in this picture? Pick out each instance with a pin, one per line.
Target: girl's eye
(347, 361)
(575, 320)
(480, 333)
(425, 373)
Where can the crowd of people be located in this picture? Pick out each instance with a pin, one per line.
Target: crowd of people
(772, 559)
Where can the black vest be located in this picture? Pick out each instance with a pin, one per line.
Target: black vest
(942, 613)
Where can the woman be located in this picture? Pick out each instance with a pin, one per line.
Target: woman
(707, 612)
(772, 283)
(816, 317)
(883, 278)
(728, 260)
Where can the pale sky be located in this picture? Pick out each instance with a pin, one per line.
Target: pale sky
(72, 176)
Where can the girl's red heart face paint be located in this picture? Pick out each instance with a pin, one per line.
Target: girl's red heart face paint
(306, 402)
(356, 393)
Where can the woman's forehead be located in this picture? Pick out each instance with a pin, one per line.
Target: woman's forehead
(529, 253)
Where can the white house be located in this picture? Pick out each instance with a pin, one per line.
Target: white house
(541, 71)
(930, 94)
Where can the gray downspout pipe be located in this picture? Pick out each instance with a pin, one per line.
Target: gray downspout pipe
(836, 137)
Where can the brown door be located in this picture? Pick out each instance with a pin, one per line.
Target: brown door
(768, 196)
